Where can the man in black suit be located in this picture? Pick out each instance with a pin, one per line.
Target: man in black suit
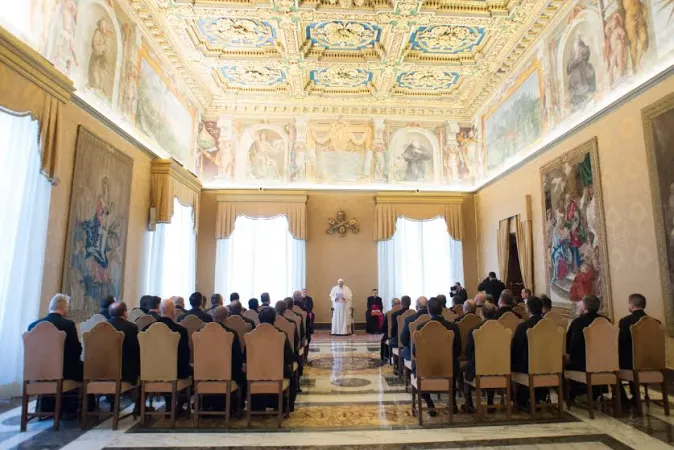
(443, 300)
(547, 304)
(290, 302)
(196, 300)
(167, 308)
(506, 304)
(180, 305)
(488, 313)
(146, 303)
(234, 296)
(265, 299)
(492, 285)
(254, 305)
(405, 336)
(280, 308)
(636, 307)
(384, 349)
(72, 349)
(235, 309)
(309, 308)
(458, 291)
(374, 303)
(216, 300)
(435, 311)
(519, 349)
(405, 302)
(130, 347)
(298, 301)
(105, 304)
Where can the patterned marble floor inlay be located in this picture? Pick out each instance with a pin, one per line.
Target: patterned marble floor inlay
(351, 400)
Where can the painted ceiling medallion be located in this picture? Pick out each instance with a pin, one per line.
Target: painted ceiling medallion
(239, 33)
(242, 76)
(447, 39)
(339, 35)
(340, 77)
(427, 79)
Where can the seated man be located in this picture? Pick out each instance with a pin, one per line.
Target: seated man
(146, 303)
(519, 350)
(374, 315)
(456, 300)
(636, 306)
(234, 296)
(299, 301)
(235, 309)
(167, 308)
(443, 300)
(105, 304)
(525, 294)
(180, 305)
(480, 299)
(383, 352)
(470, 307)
(265, 299)
(547, 304)
(405, 336)
(280, 308)
(196, 301)
(253, 304)
(216, 300)
(308, 303)
(405, 302)
(290, 302)
(435, 311)
(506, 304)
(154, 307)
(130, 347)
(489, 313)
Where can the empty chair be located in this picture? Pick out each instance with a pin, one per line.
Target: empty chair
(264, 367)
(240, 327)
(449, 315)
(252, 315)
(545, 343)
(192, 324)
(144, 321)
(213, 367)
(434, 366)
(43, 370)
(510, 321)
(135, 313)
(601, 361)
(648, 359)
(103, 370)
(159, 368)
(407, 363)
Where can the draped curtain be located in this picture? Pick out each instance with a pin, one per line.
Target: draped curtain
(24, 209)
(503, 248)
(168, 182)
(524, 235)
(386, 216)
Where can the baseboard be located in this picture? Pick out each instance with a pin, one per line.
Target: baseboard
(328, 325)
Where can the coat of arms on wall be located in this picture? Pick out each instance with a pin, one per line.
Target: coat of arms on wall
(340, 225)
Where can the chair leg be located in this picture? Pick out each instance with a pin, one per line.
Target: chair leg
(590, 397)
(24, 408)
(450, 401)
(420, 406)
(414, 400)
(665, 398)
(248, 407)
(189, 401)
(280, 403)
(509, 403)
(228, 402)
(115, 412)
(174, 401)
(85, 408)
(637, 393)
(647, 399)
(57, 406)
(478, 398)
(196, 404)
(560, 402)
(143, 417)
(532, 398)
(618, 406)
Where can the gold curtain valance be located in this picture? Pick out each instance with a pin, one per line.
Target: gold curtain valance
(388, 207)
(170, 180)
(29, 83)
(262, 205)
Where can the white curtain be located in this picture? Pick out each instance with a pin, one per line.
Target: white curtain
(24, 215)
(260, 256)
(173, 255)
(420, 259)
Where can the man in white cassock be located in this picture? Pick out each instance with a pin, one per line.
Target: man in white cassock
(341, 297)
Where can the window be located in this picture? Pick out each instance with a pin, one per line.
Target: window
(260, 256)
(24, 209)
(173, 255)
(420, 259)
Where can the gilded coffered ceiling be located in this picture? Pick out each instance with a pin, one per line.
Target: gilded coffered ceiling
(409, 58)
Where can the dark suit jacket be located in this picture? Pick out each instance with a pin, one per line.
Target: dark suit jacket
(237, 358)
(460, 294)
(405, 333)
(184, 368)
(374, 301)
(469, 370)
(72, 349)
(519, 347)
(456, 347)
(105, 312)
(493, 287)
(200, 313)
(504, 309)
(575, 340)
(625, 338)
(130, 349)
(154, 314)
(394, 323)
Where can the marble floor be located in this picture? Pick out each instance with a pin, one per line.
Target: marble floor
(350, 400)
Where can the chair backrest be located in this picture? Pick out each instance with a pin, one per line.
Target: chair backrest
(401, 320)
(287, 327)
(415, 324)
(212, 353)
(296, 319)
(252, 315)
(648, 344)
(560, 320)
(546, 346)
(89, 324)
(467, 323)
(449, 315)
(601, 346)
(144, 321)
(492, 349)
(43, 353)
(303, 315)
(158, 353)
(389, 313)
(103, 353)
(434, 350)
(240, 327)
(135, 313)
(192, 324)
(458, 309)
(521, 311)
(264, 357)
(510, 321)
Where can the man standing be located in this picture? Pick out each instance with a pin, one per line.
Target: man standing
(309, 308)
(341, 298)
(458, 291)
(374, 316)
(492, 285)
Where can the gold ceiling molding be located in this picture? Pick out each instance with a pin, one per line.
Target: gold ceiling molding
(168, 181)
(418, 198)
(262, 196)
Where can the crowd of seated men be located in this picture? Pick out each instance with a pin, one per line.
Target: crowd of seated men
(171, 312)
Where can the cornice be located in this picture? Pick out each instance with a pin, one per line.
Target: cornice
(419, 198)
(177, 172)
(238, 196)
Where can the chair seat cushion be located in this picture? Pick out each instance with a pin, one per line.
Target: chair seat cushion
(108, 387)
(167, 386)
(395, 351)
(645, 376)
(296, 366)
(408, 364)
(540, 380)
(49, 387)
(430, 384)
(490, 382)
(215, 387)
(268, 387)
(597, 378)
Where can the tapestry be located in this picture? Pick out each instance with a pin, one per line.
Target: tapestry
(575, 237)
(99, 210)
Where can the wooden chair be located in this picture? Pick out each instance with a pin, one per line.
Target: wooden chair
(241, 327)
(492, 362)
(43, 371)
(458, 310)
(297, 320)
(521, 311)
(545, 346)
(601, 361)
(144, 321)
(435, 366)
(648, 359)
(510, 321)
(89, 324)
(213, 368)
(449, 315)
(264, 367)
(387, 343)
(192, 324)
(465, 324)
(252, 315)
(159, 368)
(408, 363)
(396, 350)
(305, 321)
(135, 313)
(288, 327)
(561, 321)
(103, 370)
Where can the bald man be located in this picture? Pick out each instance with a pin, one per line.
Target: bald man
(341, 297)
(422, 308)
(167, 308)
(130, 347)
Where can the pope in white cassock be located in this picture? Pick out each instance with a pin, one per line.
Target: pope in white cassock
(341, 297)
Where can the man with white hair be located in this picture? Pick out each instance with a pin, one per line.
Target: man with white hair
(341, 297)
(72, 349)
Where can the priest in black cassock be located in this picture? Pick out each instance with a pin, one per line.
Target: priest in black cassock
(374, 316)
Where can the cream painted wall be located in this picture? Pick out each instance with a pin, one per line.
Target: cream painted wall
(135, 262)
(628, 209)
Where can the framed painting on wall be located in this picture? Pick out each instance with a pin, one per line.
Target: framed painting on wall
(97, 225)
(658, 122)
(576, 255)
